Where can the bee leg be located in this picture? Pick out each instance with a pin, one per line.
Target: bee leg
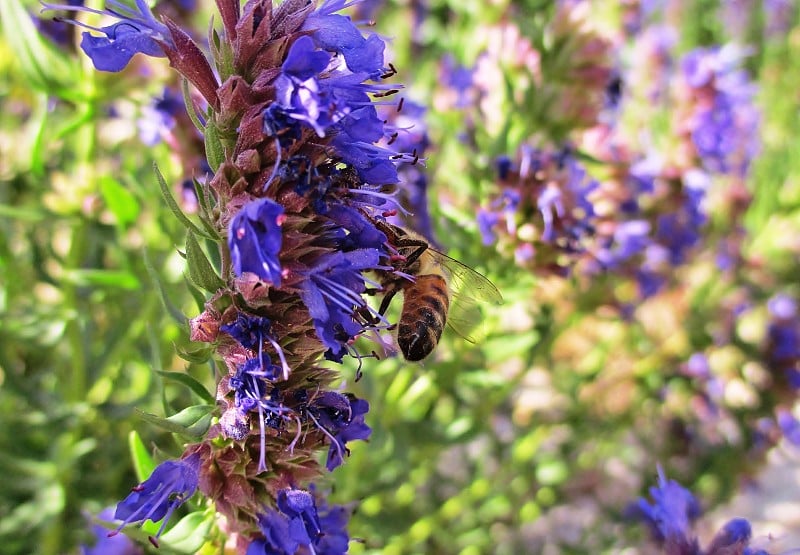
(387, 298)
(421, 246)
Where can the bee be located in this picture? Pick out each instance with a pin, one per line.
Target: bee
(437, 291)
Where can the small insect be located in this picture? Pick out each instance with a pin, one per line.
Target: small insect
(437, 290)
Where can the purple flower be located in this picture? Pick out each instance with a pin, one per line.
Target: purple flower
(332, 293)
(253, 392)
(298, 90)
(670, 515)
(255, 240)
(353, 230)
(250, 331)
(301, 521)
(170, 485)
(138, 31)
(341, 418)
(333, 101)
(337, 33)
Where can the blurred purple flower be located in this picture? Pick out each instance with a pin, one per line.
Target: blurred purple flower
(783, 331)
(779, 15)
(54, 29)
(670, 515)
(789, 426)
(458, 78)
(670, 520)
(158, 117)
(724, 127)
(118, 544)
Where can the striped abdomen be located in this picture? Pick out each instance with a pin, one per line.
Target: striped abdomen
(424, 315)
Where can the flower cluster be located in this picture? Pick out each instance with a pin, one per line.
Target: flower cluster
(545, 208)
(304, 178)
(722, 120)
(670, 515)
(632, 213)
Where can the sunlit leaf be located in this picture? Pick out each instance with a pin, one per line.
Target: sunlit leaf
(143, 463)
(107, 278)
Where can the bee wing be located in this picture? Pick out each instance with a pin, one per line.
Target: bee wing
(468, 287)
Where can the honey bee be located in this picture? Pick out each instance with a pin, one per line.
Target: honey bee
(437, 290)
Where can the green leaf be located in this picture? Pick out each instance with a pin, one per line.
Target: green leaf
(190, 382)
(189, 535)
(106, 278)
(197, 295)
(196, 419)
(173, 206)
(192, 422)
(23, 213)
(172, 310)
(119, 200)
(214, 151)
(197, 355)
(190, 107)
(201, 272)
(143, 463)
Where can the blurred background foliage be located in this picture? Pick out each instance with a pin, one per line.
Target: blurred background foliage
(532, 440)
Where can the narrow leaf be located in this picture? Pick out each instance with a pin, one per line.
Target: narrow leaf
(143, 463)
(192, 422)
(119, 200)
(201, 272)
(215, 154)
(107, 278)
(173, 206)
(197, 295)
(172, 310)
(196, 356)
(190, 107)
(189, 535)
(190, 382)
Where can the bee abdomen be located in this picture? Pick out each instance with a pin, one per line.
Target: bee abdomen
(423, 317)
